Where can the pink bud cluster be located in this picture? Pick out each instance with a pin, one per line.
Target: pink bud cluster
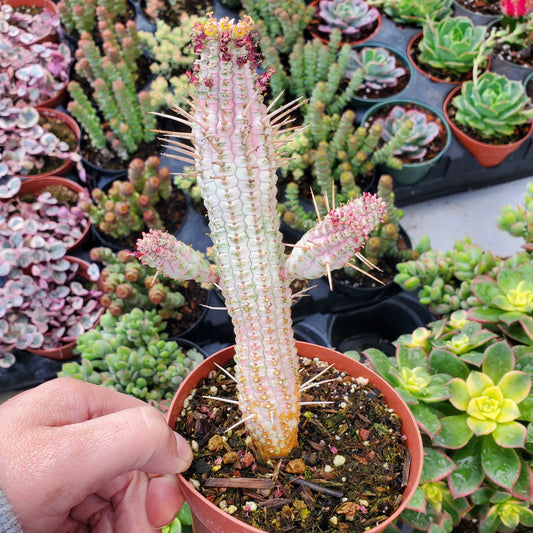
(516, 8)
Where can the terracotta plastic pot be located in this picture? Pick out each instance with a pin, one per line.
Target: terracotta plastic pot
(412, 46)
(47, 5)
(486, 154)
(411, 173)
(66, 351)
(317, 34)
(35, 186)
(208, 518)
(66, 165)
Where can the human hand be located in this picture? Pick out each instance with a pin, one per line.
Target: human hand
(77, 457)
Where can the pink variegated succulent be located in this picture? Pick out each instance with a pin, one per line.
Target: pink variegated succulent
(236, 154)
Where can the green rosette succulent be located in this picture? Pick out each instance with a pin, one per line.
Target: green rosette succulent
(493, 106)
(414, 12)
(451, 45)
(470, 392)
(507, 301)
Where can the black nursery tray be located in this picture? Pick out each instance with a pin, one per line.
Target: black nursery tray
(457, 171)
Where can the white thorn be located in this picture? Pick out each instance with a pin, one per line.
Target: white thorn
(235, 402)
(226, 372)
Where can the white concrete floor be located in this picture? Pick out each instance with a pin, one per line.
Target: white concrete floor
(473, 214)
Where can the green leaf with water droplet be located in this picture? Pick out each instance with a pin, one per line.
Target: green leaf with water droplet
(501, 465)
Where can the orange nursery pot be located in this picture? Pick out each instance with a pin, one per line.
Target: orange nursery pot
(208, 518)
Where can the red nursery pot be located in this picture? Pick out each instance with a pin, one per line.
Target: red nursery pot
(67, 165)
(35, 186)
(66, 351)
(486, 154)
(47, 5)
(208, 518)
(412, 46)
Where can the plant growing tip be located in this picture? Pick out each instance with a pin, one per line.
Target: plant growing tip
(236, 154)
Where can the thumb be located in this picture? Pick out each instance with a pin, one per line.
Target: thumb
(131, 439)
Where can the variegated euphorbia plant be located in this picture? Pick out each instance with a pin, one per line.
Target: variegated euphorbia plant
(236, 140)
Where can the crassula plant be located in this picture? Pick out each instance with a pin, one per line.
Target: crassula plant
(470, 391)
(26, 27)
(32, 74)
(129, 205)
(47, 306)
(39, 229)
(422, 131)
(26, 144)
(132, 354)
(350, 16)
(236, 140)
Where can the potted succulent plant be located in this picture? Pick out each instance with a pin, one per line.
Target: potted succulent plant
(47, 306)
(357, 20)
(445, 50)
(37, 142)
(491, 116)
(30, 21)
(426, 143)
(386, 73)
(470, 390)
(132, 354)
(238, 185)
(414, 13)
(116, 114)
(36, 75)
(126, 206)
(127, 284)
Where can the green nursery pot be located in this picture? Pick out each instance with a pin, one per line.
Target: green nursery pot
(410, 173)
(208, 518)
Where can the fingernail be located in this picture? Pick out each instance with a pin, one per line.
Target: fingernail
(184, 453)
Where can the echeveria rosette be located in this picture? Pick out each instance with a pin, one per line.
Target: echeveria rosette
(422, 131)
(494, 405)
(379, 66)
(236, 156)
(505, 513)
(493, 106)
(451, 45)
(507, 301)
(350, 16)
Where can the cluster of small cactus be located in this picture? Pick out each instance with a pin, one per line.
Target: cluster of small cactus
(422, 131)
(117, 118)
(380, 67)
(131, 354)
(127, 284)
(518, 220)
(236, 172)
(451, 45)
(493, 105)
(350, 16)
(78, 17)
(415, 12)
(129, 205)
